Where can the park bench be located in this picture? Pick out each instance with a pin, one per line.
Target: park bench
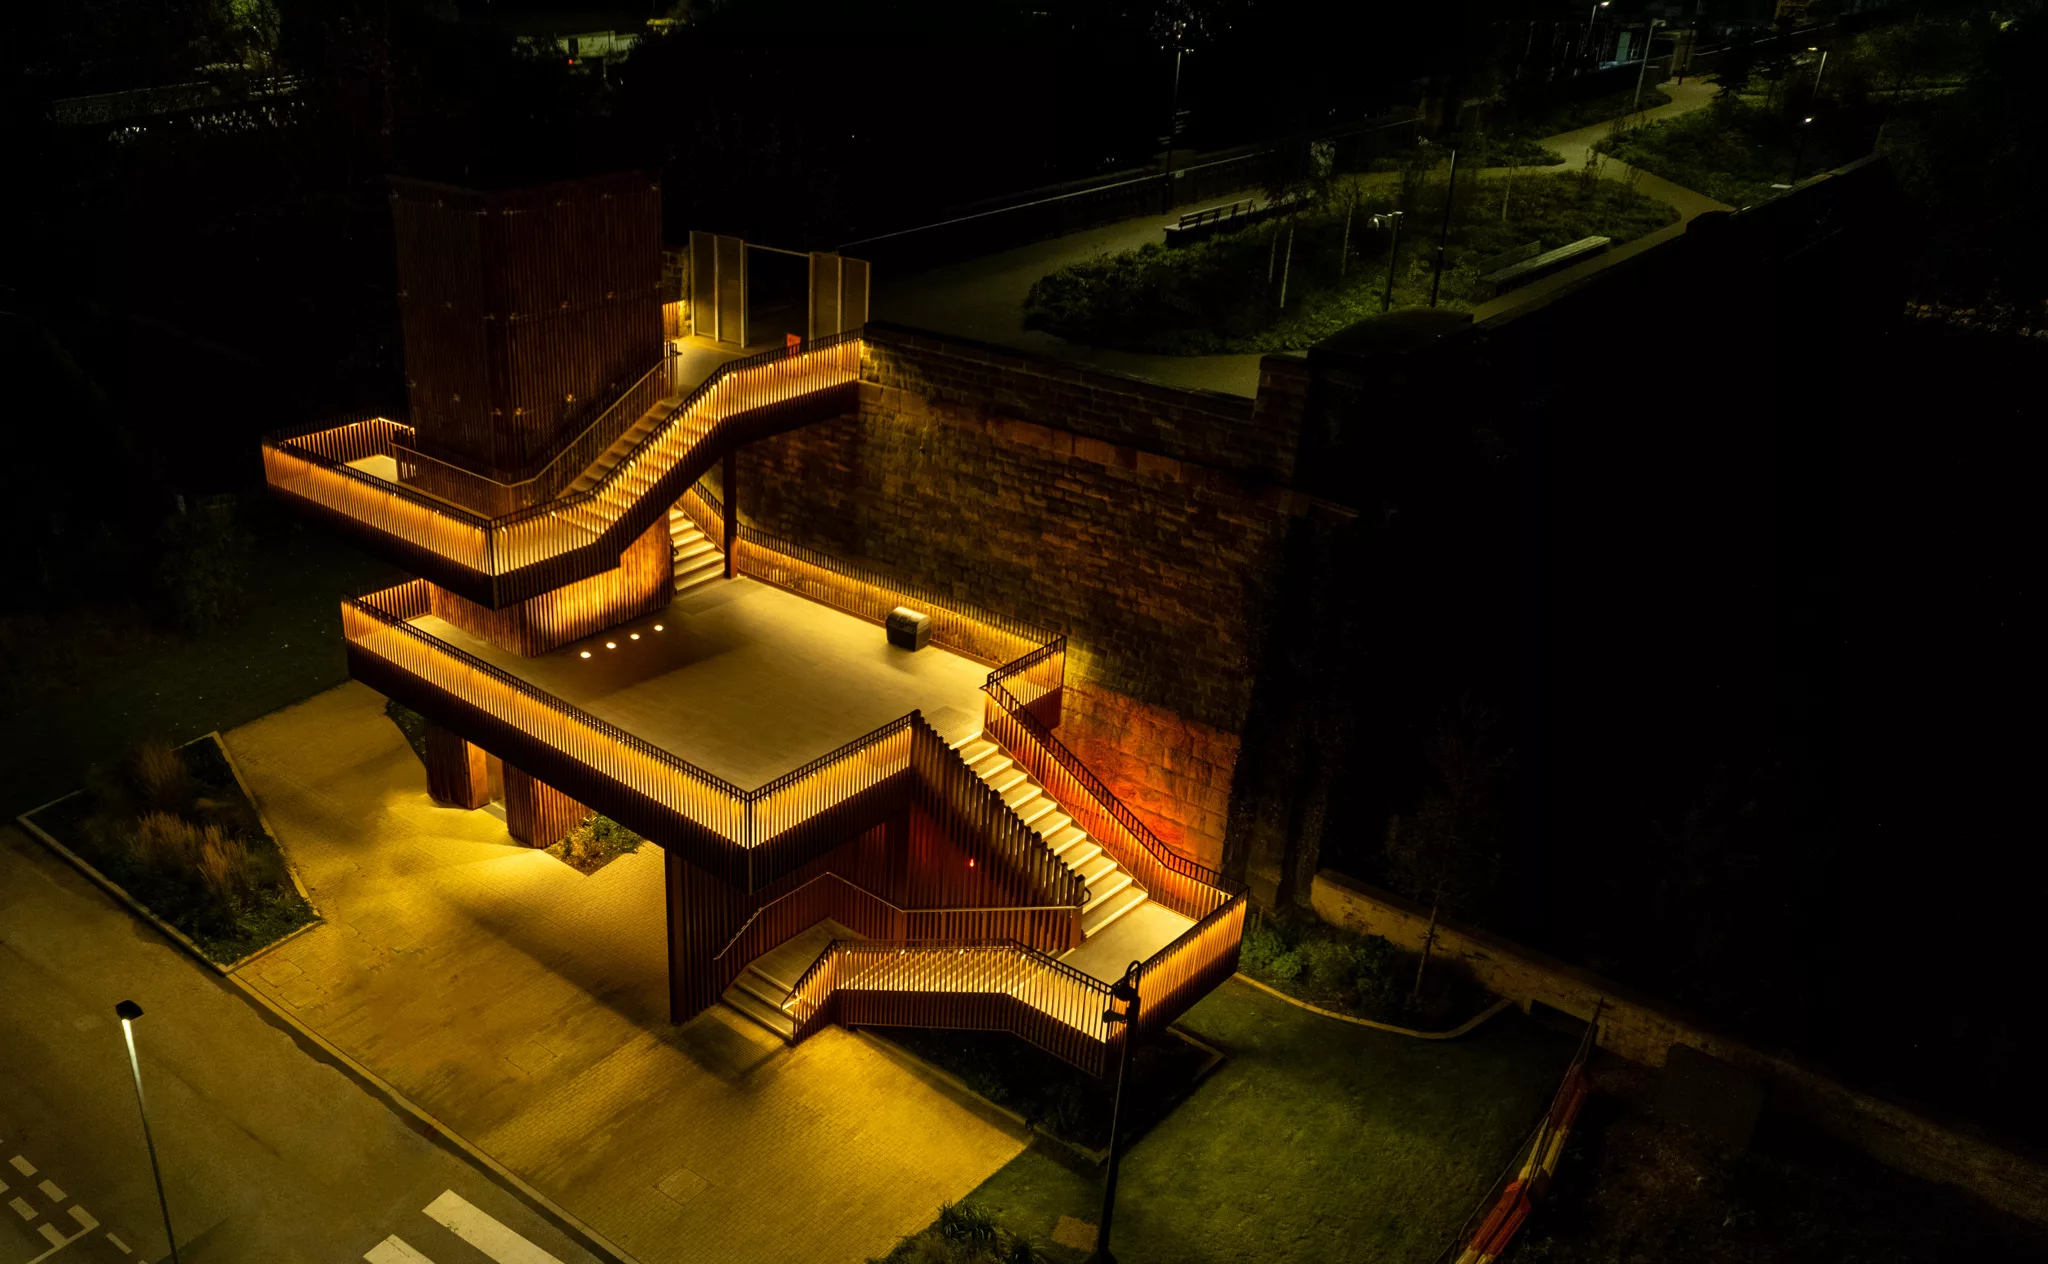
(1195, 225)
(1496, 283)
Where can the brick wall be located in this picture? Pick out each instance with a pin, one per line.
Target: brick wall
(1146, 520)
(1644, 1031)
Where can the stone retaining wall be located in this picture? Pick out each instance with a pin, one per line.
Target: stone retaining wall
(1644, 1031)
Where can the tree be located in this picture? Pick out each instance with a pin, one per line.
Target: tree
(1447, 852)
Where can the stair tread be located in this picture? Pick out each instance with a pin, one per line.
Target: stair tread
(1123, 902)
(751, 1006)
(1110, 888)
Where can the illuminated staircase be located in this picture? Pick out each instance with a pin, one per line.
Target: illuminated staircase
(1112, 891)
(697, 559)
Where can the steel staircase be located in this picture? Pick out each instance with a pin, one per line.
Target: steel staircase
(1112, 891)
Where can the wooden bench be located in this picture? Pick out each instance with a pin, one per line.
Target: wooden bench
(1195, 225)
(1516, 275)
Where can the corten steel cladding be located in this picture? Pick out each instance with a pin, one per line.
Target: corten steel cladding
(524, 311)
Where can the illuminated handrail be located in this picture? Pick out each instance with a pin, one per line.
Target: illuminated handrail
(961, 626)
(315, 465)
(1186, 887)
(379, 624)
(496, 497)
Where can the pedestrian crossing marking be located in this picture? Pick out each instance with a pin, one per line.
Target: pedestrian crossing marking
(395, 1250)
(23, 1166)
(493, 1237)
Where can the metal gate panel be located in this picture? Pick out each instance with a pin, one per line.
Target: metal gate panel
(824, 295)
(731, 288)
(703, 285)
(853, 293)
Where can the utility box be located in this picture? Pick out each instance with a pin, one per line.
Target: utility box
(909, 629)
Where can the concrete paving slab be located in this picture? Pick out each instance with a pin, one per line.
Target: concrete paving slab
(515, 947)
(730, 653)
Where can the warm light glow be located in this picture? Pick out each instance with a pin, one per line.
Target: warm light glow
(634, 637)
(586, 653)
(657, 627)
(611, 645)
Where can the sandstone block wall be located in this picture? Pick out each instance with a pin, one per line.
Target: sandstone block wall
(1644, 1031)
(1147, 521)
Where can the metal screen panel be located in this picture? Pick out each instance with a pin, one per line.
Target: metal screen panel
(703, 285)
(853, 293)
(732, 291)
(824, 295)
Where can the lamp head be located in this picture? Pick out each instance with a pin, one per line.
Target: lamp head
(127, 1011)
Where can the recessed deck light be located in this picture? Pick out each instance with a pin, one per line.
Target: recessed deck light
(657, 627)
(633, 637)
(611, 645)
(586, 653)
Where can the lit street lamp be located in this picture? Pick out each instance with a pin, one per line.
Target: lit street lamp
(1591, 14)
(1799, 146)
(1818, 73)
(1649, 39)
(128, 1012)
(1390, 220)
(1125, 990)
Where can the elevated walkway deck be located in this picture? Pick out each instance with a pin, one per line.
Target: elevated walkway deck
(745, 680)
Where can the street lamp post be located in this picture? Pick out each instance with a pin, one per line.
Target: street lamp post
(1125, 990)
(1590, 15)
(1649, 38)
(1443, 240)
(1799, 146)
(128, 1012)
(1817, 75)
(1390, 220)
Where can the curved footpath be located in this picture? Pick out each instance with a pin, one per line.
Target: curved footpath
(983, 298)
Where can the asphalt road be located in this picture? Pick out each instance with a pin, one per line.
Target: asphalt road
(270, 1153)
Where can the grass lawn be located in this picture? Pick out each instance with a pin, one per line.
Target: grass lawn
(1222, 296)
(1733, 152)
(1570, 116)
(84, 689)
(1314, 1141)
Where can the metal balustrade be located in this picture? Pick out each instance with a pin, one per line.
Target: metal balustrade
(990, 968)
(499, 557)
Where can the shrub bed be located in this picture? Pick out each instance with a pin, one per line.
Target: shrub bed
(173, 828)
(1732, 152)
(594, 844)
(964, 1233)
(1222, 296)
(1361, 975)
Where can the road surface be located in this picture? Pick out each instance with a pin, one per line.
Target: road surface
(270, 1152)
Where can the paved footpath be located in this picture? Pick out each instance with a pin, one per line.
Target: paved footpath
(524, 1006)
(270, 1154)
(983, 298)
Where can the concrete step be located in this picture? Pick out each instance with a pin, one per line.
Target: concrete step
(699, 570)
(1052, 823)
(1007, 780)
(989, 766)
(691, 550)
(761, 1012)
(1092, 869)
(1080, 853)
(1108, 912)
(970, 742)
(762, 988)
(1067, 836)
(1108, 887)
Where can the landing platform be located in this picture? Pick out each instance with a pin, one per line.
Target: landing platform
(745, 680)
(1133, 937)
